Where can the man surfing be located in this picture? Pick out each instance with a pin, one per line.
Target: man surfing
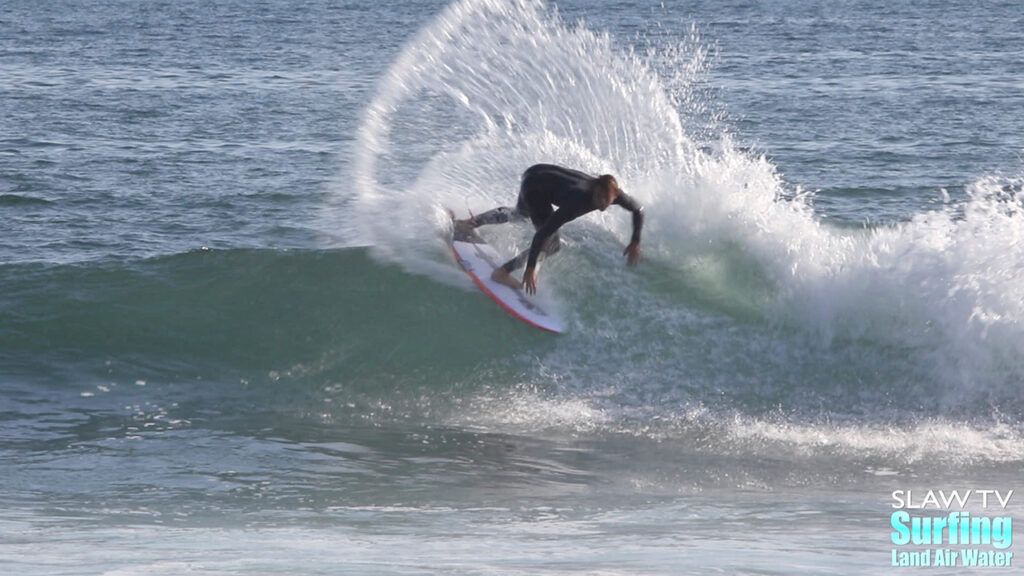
(545, 187)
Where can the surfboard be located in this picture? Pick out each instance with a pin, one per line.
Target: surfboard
(479, 259)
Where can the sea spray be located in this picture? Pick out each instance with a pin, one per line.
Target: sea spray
(480, 93)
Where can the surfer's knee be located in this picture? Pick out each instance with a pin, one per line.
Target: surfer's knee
(553, 245)
(499, 215)
(517, 262)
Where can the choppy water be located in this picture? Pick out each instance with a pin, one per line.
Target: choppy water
(232, 339)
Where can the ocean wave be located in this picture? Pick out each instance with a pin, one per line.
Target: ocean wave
(488, 88)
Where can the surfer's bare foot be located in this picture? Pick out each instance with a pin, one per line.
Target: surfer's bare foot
(502, 277)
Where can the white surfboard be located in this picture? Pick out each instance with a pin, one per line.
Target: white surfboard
(479, 259)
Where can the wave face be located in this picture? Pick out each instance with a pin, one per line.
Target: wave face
(318, 314)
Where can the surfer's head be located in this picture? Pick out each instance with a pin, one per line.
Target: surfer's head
(605, 190)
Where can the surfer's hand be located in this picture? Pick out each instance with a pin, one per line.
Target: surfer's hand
(632, 253)
(530, 280)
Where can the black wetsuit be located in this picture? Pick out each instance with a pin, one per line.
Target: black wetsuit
(545, 187)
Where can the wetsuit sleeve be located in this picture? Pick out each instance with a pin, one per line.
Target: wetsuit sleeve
(551, 225)
(630, 203)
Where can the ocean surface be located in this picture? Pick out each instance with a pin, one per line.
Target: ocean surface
(233, 340)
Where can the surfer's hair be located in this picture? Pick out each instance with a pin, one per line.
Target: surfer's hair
(606, 183)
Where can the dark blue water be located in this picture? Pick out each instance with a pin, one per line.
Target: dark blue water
(233, 339)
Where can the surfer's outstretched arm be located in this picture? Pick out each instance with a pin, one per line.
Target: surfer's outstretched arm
(632, 251)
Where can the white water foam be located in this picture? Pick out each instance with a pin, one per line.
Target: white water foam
(933, 441)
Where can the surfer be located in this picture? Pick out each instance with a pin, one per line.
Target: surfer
(545, 187)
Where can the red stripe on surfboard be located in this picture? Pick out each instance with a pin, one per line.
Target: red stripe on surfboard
(483, 287)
